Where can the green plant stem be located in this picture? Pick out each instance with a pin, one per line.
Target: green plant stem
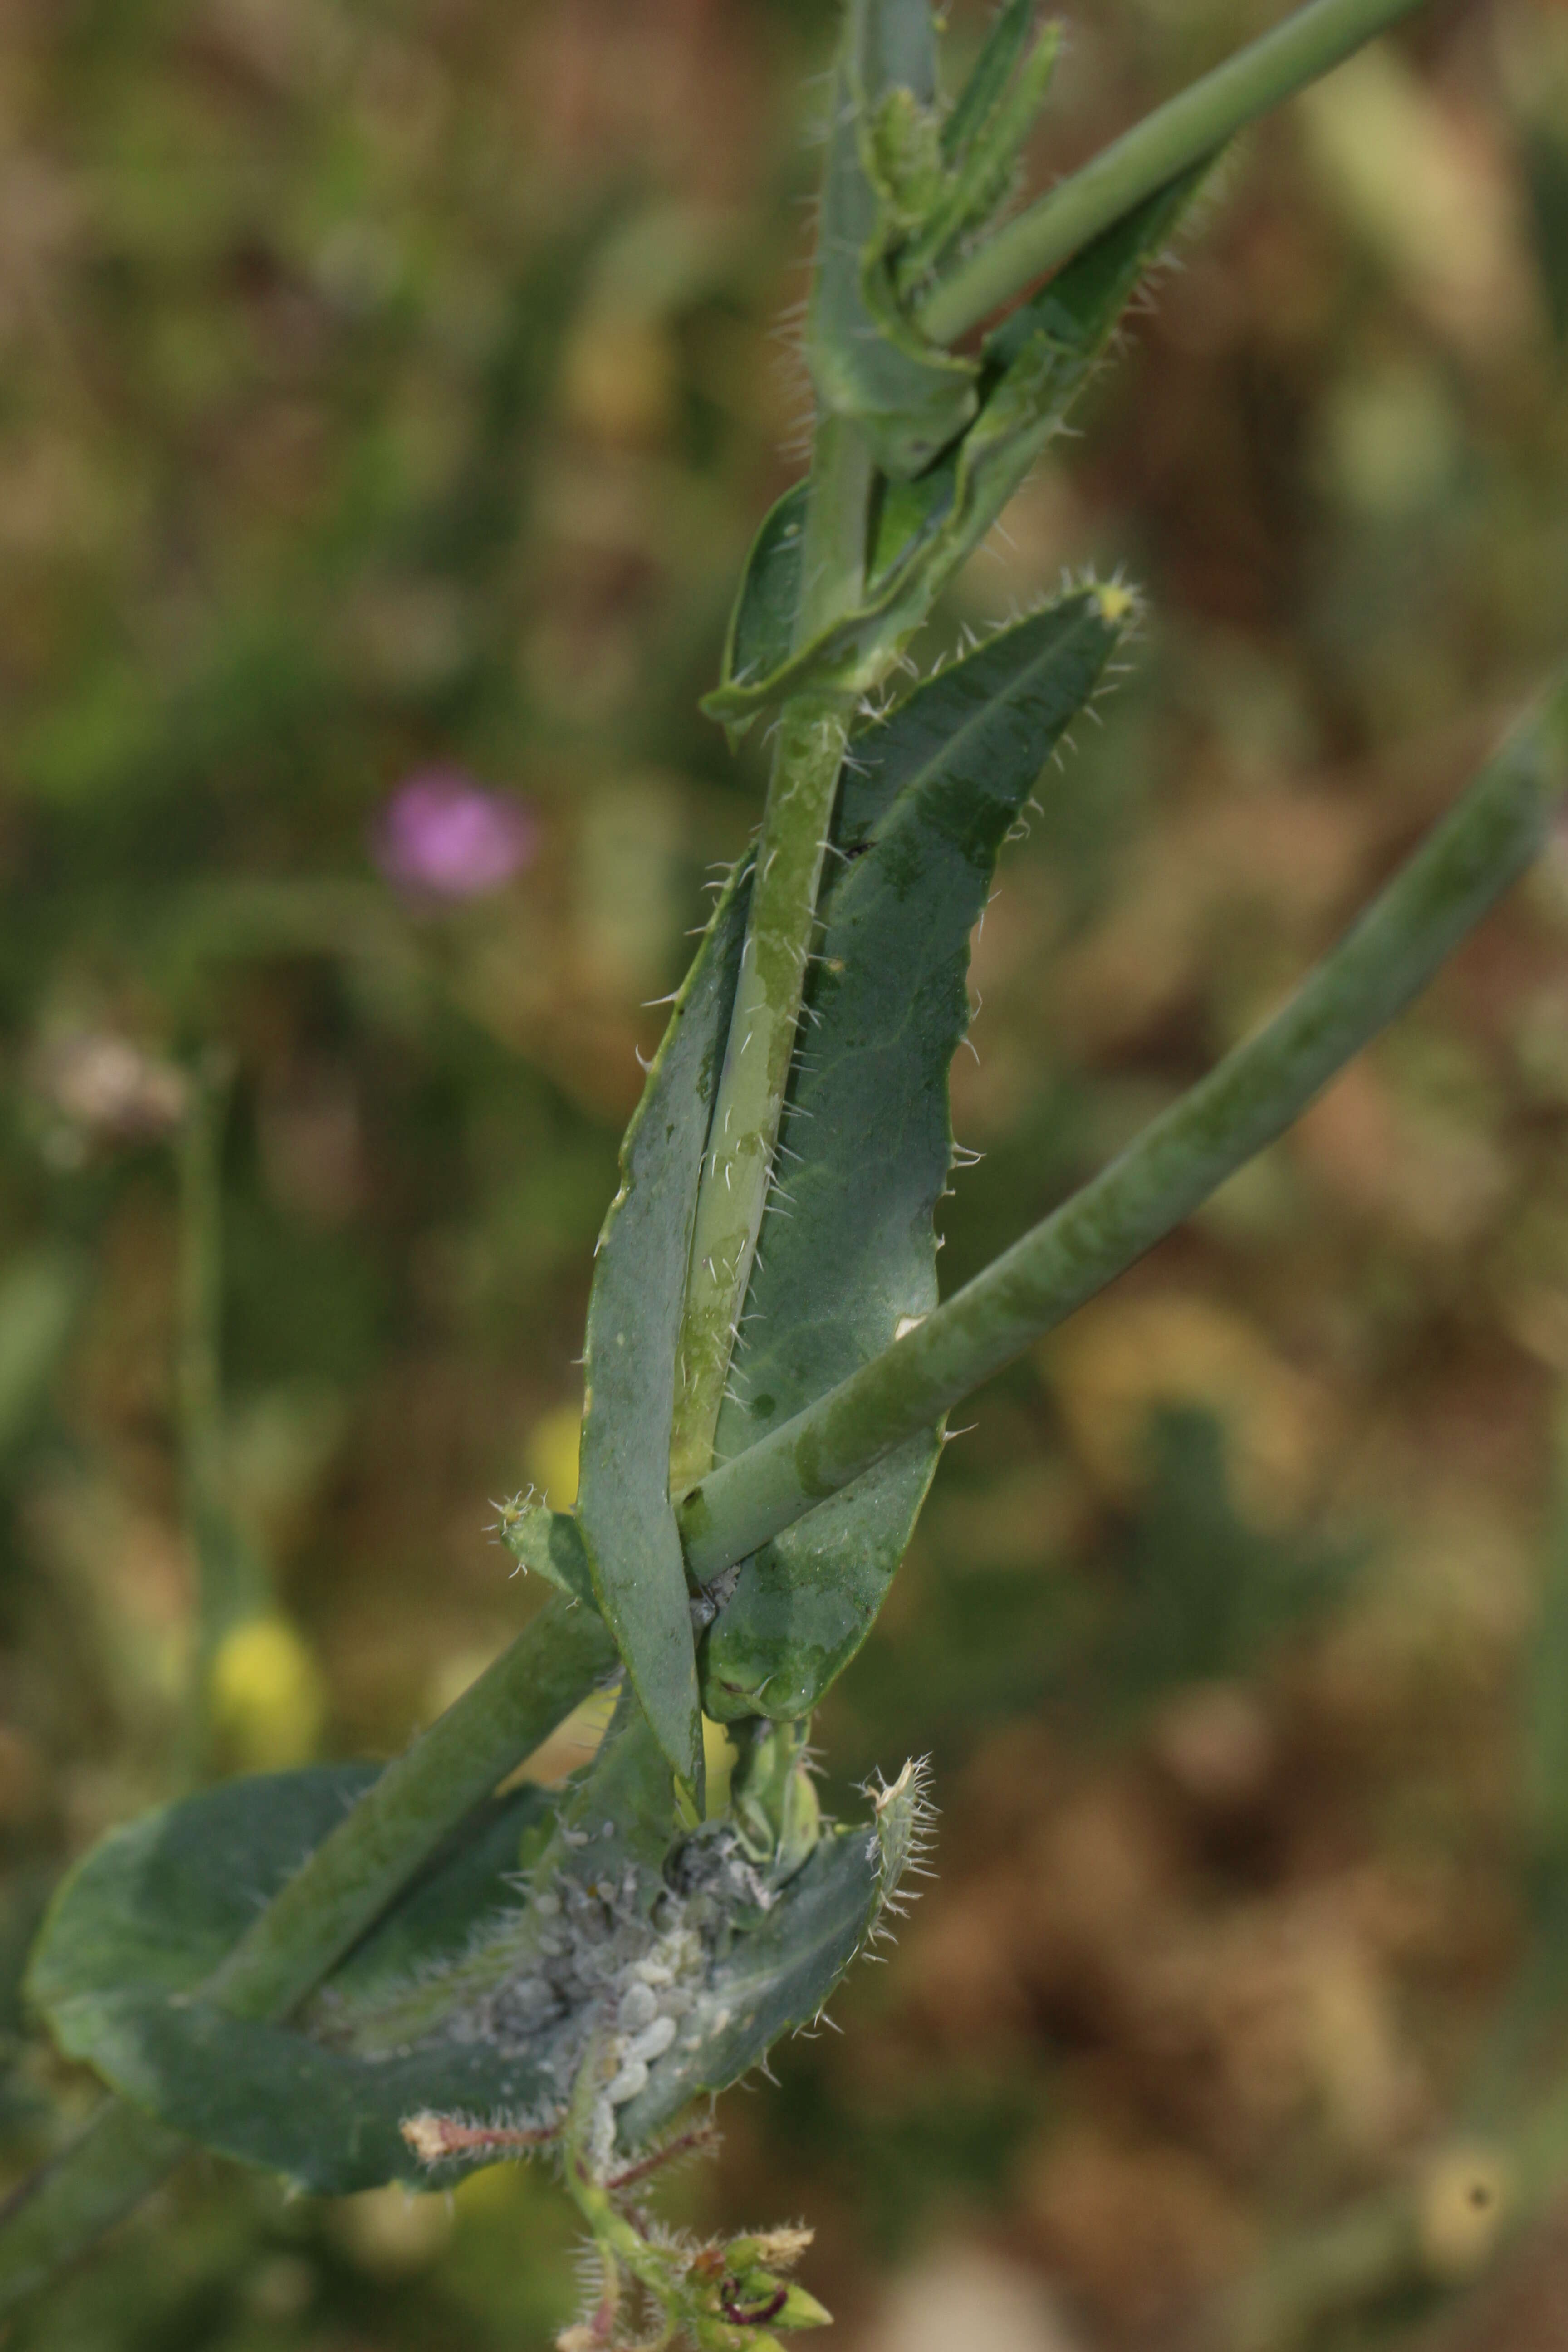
(117, 2159)
(757, 1056)
(833, 556)
(232, 1583)
(809, 752)
(1457, 874)
(353, 1876)
(421, 1796)
(1488, 2184)
(1178, 134)
(1253, 1094)
(325, 1909)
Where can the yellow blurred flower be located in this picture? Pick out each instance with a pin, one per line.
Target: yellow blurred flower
(266, 1695)
(551, 1454)
(392, 2231)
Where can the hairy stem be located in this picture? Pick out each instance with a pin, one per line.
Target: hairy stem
(833, 557)
(1176, 135)
(757, 1057)
(398, 1823)
(1447, 886)
(360, 1869)
(812, 735)
(353, 1876)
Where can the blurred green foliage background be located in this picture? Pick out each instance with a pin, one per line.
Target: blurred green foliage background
(394, 384)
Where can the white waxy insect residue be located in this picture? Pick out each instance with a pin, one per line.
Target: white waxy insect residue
(632, 2078)
(652, 2042)
(638, 2007)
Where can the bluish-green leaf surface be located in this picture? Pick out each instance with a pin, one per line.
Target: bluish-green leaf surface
(761, 622)
(772, 1979)
(848, 1254)
(153, 1909)
(634, 1312)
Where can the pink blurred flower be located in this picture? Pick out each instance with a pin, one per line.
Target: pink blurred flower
(442, 835)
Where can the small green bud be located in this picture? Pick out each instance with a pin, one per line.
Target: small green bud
(802, 2310)
(774, 2249)
(906, 157)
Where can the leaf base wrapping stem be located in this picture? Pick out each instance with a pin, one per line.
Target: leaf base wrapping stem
(64, 2207)
(738, 1172)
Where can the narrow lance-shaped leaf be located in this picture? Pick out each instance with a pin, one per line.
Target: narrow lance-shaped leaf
(634, 1326)
(987, 165)
(763, 623)
(259, 2089)
(1003, 48)
(849, 1259)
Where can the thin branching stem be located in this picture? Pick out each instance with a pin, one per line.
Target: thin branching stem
(367, 1861)
(1467, 862)
(1182, 132)
(231, 1582)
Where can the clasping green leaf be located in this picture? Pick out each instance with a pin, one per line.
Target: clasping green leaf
(624, 1513)
(1035, 367)
(866, 1144)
